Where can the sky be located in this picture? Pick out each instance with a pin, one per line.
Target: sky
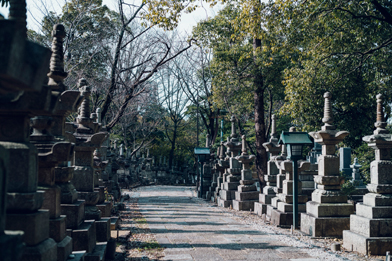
(35, 13)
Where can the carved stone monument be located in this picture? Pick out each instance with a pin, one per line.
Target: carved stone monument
(247, 193)
(371, 227)
(328, 214)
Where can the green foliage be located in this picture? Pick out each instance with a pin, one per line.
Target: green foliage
(342, 47)
(365, 156)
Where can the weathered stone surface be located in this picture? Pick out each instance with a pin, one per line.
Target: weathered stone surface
(381, 227)
(52, 200)
(34, 225)
(74, 213)
(45, 251)
(289, 198)
(380, 172)
(57, 228)
(98, 253)
(373, 212)
(103, 229)
(11, 246)
(244, 205)
(251, 195)
(324, 226)
(373, 199)
(366, 245)
(64, 248)
(260, 208)
(328, 165)
(322, 196)
(286, 207)
(84, 237)
(329, 210)
(24, 201)
(105, 208)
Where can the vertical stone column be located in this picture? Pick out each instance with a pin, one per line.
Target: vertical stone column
(87, 139)
(345, 160)
(371, 227)
(233, 173)
(328, 214)
(23, 67)
(222, 164)
(247, 193)
(273, 148)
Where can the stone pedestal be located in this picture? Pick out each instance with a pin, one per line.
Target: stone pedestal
(282, 212)
(268, 191)
(328, 214)
(232, 176)
(246, 194)
(371, 227)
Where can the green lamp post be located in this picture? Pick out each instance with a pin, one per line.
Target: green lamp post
(295, 142)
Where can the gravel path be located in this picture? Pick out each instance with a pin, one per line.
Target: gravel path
(188, 228)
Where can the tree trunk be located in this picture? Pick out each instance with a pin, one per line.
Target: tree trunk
(173, 143)
(260, 128)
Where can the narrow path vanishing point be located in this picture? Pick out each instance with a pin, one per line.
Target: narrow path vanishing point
(192, 229)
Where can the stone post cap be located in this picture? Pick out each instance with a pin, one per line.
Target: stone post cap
(58, 31)
(328, 117)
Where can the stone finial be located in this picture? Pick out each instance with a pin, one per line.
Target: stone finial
(328, 118)
(207, 140)
(85, 107)
(293, 129)
(57, 74)
(233, 132)
(380, 124)
(17, 12)
(98, 112)
(273, 125)
(244, 152)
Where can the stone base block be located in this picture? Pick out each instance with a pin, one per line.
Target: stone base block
(98, 254)
(74, 213)
(275, 201)
(225, 203)
(106, 209)
(380, 227)
(114, 221)
(246, 188)
(11, 245)
(289, 198)
(246, 205)
(324, 226)
(329, 210)
(84, 237)
(227, 194)
(268, 215)
(52, 199)
(244, 196)
(34, 225)
(366, 245)
(321, 196)
(281, 219)
(103, 229)
(285, 207)
(374, 212)
(230, 185)
(45, 251)
(260, 208)
(57, 228)
(64, 249)
(266, 199)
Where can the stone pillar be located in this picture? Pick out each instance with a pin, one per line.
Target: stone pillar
(273, 148)
(247, 193)
(371, 227)
(87, 139)
(221, 166)
(282, 212)
(233, 173)
(328, 214)
(23, 68)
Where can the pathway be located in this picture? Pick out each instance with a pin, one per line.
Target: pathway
(192, 229)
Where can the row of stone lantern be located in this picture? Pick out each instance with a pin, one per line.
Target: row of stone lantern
(50, 188)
